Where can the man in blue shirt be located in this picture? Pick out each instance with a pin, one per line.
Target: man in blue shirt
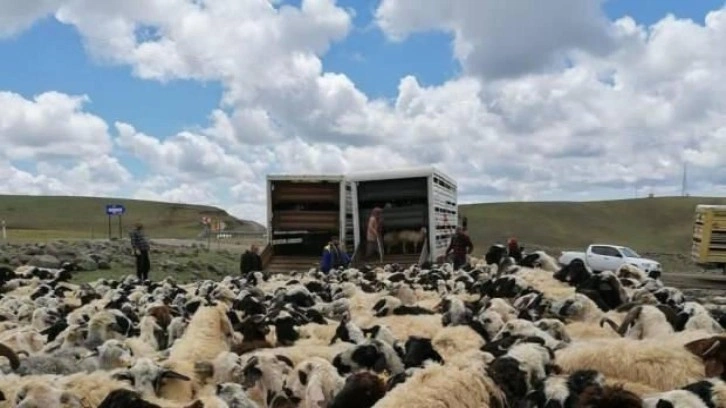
(333, 256)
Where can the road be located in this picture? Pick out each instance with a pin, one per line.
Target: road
(695, 280)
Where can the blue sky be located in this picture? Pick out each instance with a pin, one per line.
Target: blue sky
(53, 56)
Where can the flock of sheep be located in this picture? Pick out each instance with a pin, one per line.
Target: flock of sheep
(495, 334)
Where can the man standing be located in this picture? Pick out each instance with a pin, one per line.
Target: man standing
(373, 233)
(333, 256)
(140, 247)
(251, 261)
(461, 246)
(514, 250)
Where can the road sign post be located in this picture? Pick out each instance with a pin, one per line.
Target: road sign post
(5, 233)
(115, 210)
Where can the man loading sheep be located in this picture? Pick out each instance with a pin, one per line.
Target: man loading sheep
(461, 246)
(140, 248)
(374, 233)
(333, 256)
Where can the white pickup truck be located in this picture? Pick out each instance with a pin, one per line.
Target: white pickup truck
(600, 257)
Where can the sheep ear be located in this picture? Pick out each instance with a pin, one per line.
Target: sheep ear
(123, 376)
(703, 348)
(315, 395)
(174, 375)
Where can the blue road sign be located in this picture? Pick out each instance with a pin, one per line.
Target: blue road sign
(115, 209)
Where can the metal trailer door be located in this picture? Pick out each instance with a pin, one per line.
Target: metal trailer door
(433, 253)
(348, 234)
(355, 214)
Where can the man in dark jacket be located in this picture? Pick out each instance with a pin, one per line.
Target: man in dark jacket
(461, 246)
(140, 248)
(514, 250)
(251, 261)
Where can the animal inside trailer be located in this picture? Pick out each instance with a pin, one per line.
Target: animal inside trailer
(419, 212)
(303, 212)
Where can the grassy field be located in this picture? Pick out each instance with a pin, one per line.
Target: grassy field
(649, 225)
(42, 218)
(195, 264)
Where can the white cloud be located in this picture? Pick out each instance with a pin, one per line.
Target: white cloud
(18, 15)
(50, 125)
(551, 103)
(186, 156)
(503, 39)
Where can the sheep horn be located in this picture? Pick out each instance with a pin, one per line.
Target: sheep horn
(174, 375)
(632, 315)
(609, 322)
(8, 353)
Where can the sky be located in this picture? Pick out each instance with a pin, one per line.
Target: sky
(197, 101)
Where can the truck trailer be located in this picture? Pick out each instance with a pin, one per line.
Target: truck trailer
(303, 212)
(708, 248)
(411, 199)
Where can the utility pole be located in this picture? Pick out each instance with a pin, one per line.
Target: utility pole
(685, 180)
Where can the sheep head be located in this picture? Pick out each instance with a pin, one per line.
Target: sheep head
(628, 321)
(233, 394)
(148, 377)
(713, 352)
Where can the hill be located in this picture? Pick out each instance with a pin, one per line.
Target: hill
(50, 217)
(649, 225)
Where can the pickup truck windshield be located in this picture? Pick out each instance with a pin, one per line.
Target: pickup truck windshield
(629, 252)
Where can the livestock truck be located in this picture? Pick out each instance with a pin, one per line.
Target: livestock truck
(708, 244)
(303, 212)
(411, 199)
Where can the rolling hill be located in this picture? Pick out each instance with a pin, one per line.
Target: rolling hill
(49, 217)
(649, 225)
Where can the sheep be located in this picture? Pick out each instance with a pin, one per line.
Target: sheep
(416, 238)
(348, 331)
(564, 391)
(525, 328)
(234, 396)
(314, 382)
(391, 239)
(420, 335)
(674, 398)
(521, 369)
(361, 390)
(540, 259)
(455, 384)
(700, 319)
(642, 322)
(371, 354)
(209, 333)
(637, 361)
(147, 376)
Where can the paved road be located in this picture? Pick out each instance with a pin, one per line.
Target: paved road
(695, 280)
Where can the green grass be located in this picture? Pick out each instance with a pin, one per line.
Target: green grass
(658, 225)
(225, 262)
(41, 218)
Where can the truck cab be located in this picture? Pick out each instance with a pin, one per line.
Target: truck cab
(605, 257)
